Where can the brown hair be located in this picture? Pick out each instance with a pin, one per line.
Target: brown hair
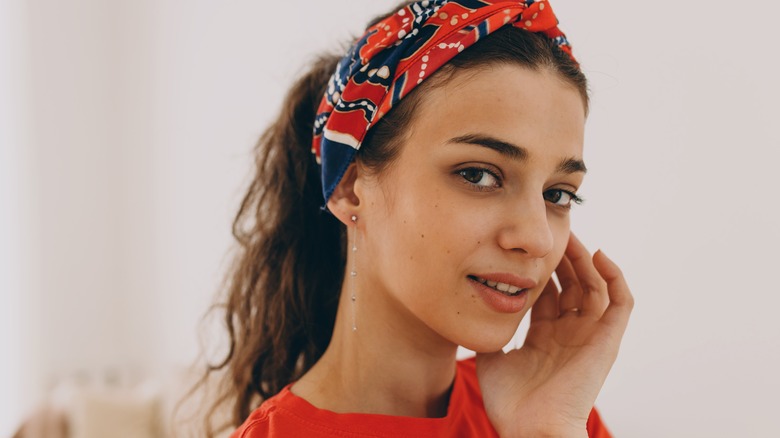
(283, 288)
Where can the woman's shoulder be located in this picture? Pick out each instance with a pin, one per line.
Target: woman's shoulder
(258, 423)
(286, 414)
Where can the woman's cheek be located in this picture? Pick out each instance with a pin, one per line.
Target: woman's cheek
(561, 230)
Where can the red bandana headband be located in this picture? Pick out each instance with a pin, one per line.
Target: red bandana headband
(397, 54)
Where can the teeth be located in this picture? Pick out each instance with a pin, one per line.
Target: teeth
(503, 287)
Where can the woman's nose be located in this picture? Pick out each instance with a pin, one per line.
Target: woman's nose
(527, 228)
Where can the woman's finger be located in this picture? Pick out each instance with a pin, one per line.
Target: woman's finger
(621, 302)
(595, 297)
(570, 299)
(546, 306)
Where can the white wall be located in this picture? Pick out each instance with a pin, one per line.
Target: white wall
(19, 373)
(123, 162)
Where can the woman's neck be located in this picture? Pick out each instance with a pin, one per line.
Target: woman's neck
(391, 364)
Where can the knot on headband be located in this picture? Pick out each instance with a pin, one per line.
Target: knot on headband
(397, 54)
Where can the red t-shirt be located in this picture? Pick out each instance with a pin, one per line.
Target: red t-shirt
(287, 415)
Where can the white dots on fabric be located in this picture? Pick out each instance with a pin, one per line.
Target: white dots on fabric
(426, 3)
(528, 23)
(371, 72)
(425, 58)
(419, 81)
(401, 33)
(389, 33)
(461, 47)
(336, 96)
(541, 6)
(383, 72)
(402, 12)
(536, 14)
(443, 15)
(454, 21)
(442, 45)
(387, 27)
(506, 20)
(464, 16)
(422, 73)
(406, 20)
(424, 66)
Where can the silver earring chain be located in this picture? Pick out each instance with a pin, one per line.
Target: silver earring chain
(353, 271)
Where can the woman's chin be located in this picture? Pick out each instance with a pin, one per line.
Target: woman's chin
(487, 344)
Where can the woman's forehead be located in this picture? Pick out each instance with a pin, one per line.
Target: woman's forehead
(532, 110)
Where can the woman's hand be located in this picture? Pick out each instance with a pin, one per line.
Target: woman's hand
(548, 387)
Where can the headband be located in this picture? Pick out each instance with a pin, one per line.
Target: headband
(397, 54)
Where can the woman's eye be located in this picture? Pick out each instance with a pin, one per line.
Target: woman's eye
(481, 178)
(562, 198)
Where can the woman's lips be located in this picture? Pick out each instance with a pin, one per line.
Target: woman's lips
(503, 301)
(505, 282)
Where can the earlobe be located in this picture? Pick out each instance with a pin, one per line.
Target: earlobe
(344, 203)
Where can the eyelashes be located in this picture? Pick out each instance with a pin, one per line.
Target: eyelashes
(480, 178)
(556, 195)
(483, 179)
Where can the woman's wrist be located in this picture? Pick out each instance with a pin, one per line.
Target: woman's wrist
(547, 433)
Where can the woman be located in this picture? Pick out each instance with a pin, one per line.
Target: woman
(447, 152)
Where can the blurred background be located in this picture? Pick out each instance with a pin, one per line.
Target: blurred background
(126, 131)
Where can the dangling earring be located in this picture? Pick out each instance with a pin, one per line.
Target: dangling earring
(353, 272)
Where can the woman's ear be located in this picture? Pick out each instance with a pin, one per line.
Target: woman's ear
(344, 203)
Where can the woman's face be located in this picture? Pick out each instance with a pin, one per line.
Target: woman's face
(480, 192)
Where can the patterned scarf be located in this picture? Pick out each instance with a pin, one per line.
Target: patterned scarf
(397, 54)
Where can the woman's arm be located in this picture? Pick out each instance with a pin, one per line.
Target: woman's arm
(548, 387)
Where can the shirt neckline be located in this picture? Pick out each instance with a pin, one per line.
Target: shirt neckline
(294, 405)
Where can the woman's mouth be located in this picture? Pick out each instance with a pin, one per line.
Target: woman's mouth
(504, 288)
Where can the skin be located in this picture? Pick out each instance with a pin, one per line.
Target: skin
(448, 209)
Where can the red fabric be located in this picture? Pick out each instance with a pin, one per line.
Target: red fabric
(287, 415)
(396, 55)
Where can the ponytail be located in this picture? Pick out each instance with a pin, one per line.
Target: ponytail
(283, 289)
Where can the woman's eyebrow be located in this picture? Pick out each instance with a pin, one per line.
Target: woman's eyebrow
(502, 147)
(572, 165)
(515, 152)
